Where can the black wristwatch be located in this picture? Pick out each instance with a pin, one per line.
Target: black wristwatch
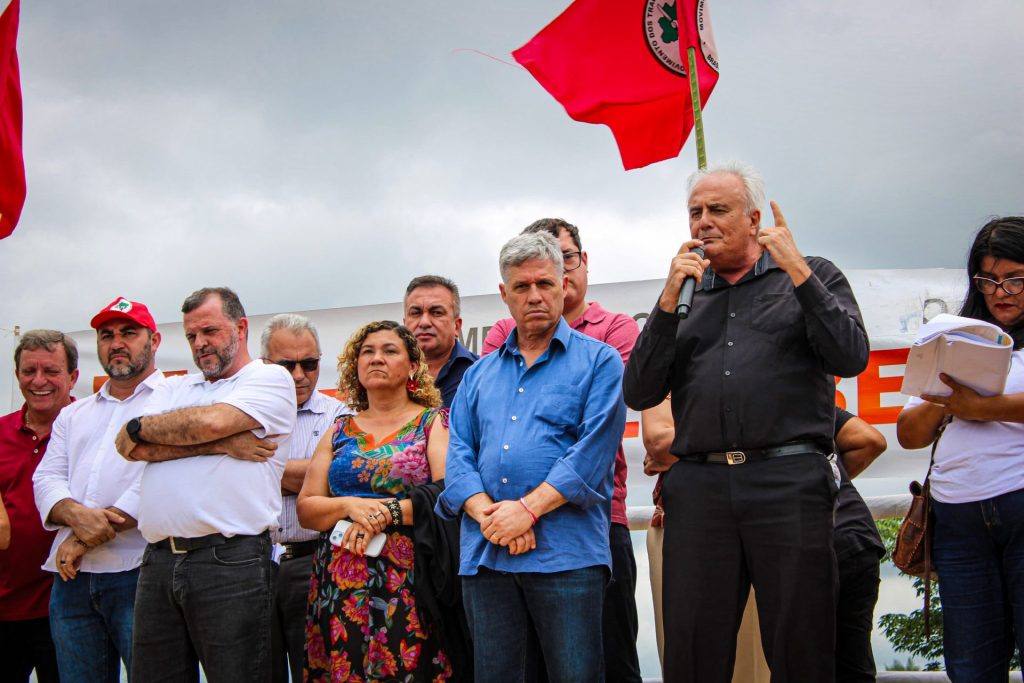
(133, 428)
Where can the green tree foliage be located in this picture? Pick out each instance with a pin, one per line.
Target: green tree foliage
(906, 631)
(908, 665)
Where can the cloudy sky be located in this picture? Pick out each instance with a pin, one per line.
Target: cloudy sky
(318, 154)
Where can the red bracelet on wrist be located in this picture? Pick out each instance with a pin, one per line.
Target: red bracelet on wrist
(527, 508)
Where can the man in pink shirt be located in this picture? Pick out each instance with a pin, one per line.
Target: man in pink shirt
(619, 331)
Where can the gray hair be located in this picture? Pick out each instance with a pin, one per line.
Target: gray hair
(230, 304)
(753, 182)
(294, 323)
(528, 246)
(33, 340)
(435, 281)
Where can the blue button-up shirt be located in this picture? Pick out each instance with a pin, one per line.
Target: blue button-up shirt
(450, 376)
(559, 421)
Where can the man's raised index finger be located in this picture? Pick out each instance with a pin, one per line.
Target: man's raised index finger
(780, 220)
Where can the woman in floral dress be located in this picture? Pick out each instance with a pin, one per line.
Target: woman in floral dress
(362, 623)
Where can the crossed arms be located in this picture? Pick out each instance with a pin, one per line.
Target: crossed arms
(204, 430)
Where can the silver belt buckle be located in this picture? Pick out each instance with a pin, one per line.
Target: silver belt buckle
(735, 457)
(174, 548)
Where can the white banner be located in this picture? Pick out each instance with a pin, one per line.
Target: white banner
(894, 304)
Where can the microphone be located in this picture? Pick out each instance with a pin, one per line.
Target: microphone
(686, 293)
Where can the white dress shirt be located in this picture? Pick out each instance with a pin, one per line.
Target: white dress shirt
(314, 420)
(206, 494)
(81, 463)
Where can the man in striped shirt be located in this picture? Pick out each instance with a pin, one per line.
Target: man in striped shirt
(291, 341)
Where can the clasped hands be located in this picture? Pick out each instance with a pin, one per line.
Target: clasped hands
(90, 527)
(369, 516)
(507, 523)
(69, 557)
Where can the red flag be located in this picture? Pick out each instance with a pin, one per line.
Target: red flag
(12, 164)
(623, 63)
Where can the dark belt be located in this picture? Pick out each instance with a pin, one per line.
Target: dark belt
(180, 546)
(740, 457)
(293, 551)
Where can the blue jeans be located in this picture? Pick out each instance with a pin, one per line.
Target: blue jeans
(564, 608)
(91, 621)
(979, 557)
(208, 606)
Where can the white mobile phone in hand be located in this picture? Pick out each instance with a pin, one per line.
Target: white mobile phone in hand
(373, 548)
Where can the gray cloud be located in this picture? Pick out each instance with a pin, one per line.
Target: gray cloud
(318, 154)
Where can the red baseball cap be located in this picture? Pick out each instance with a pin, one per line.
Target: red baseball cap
(122, 308)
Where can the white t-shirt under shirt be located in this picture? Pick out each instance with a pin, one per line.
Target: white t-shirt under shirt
(980, 460)
(207, 494)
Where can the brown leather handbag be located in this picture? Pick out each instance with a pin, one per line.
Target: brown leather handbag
(913, 551)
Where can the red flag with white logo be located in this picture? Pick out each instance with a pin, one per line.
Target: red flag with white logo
(623, 63)
(12, 164)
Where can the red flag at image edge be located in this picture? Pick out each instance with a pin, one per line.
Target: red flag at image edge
(12, 164)
(619, 64)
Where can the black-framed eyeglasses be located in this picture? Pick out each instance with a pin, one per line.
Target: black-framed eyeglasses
(1011, 285)
(307, 364)
(571, 260)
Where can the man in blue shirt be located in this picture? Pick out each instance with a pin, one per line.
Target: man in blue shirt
(534, 431)
(433, 313)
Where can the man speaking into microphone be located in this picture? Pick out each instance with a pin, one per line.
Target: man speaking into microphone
(751, 372)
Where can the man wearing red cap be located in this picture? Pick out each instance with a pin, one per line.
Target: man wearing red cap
(88, 493)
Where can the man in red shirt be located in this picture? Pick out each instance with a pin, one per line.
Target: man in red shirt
(46, 364)
(618, 330)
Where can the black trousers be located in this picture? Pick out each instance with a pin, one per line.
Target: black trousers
(766, 522)
(620, 622)
(288, 618)
(26, 646)
(855, 615)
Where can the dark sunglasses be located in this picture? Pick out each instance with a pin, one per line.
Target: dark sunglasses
(307, 364)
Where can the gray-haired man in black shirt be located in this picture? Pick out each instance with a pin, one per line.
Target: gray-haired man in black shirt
(751, 372)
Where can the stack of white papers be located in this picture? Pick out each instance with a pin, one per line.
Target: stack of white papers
(972, 352)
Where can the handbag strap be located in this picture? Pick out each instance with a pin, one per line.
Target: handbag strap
(927, 495)
(935, 444)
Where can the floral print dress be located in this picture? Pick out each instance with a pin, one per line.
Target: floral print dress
(362, 623)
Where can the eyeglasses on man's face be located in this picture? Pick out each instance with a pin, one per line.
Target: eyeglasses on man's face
(571, 260)
(1011, 285)
(307, 364)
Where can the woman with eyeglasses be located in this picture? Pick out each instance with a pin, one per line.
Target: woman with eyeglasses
(363, 621)
(977, 483)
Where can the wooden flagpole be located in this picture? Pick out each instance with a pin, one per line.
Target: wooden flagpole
(698, 119)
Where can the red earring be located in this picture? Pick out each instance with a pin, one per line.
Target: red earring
(412, 385)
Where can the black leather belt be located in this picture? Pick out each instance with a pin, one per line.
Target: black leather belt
(180, 546)
(740, 457)
(293, 551)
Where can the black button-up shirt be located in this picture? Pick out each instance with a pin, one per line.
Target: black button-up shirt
(753, 365)
(855, 529)
(450, 375)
